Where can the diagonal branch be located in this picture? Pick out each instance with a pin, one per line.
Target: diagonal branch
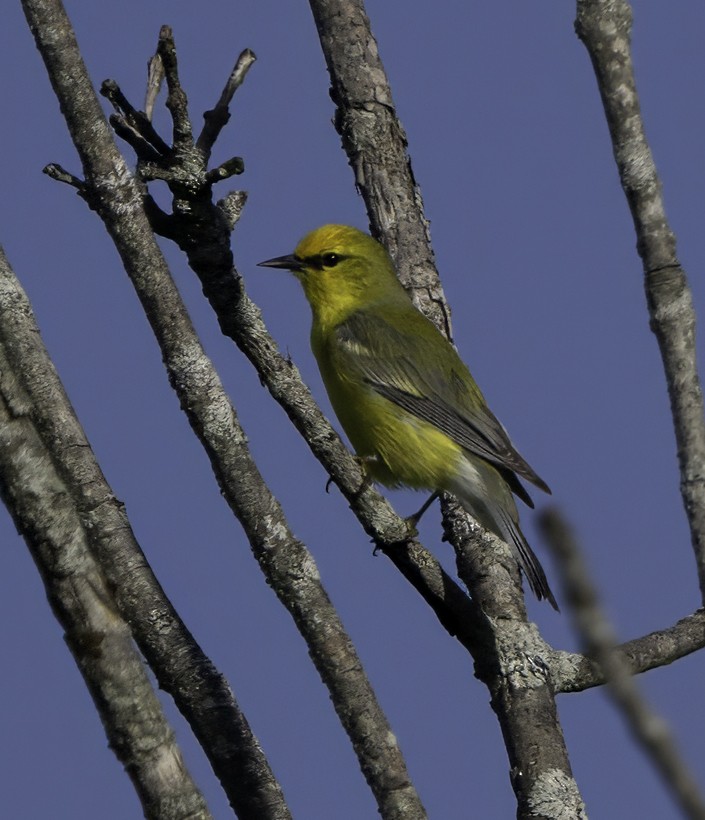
(375, 143)
(605, 29)
(44, 509)
(650, 731)
(198, 689)
(573, 672)
(218, 117)
(288, 566)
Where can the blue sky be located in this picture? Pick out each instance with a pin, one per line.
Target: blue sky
(537, 255)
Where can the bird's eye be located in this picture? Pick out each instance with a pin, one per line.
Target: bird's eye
(330, 260)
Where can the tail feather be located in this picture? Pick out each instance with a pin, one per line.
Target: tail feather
(526, 558)
(485, 494)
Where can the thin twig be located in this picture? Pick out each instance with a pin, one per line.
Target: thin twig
(217, 118)
(225, 170)
(133, 119)
(176, 100)
(56, 172)
(155, 78)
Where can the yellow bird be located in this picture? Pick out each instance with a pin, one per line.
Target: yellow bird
(407, 402)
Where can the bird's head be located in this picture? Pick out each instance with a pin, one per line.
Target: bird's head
(341, 270)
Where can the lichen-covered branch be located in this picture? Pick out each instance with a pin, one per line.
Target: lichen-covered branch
(604, 26)
(597, 636)
(198, 689)
(375, 143)
(513, 661)
(288, 566)
(43, 506)
(574, 672)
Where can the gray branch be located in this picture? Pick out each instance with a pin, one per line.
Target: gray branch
(596, 633)
(513, 661)
(43, 506)
(288, 566)
(198, 689)
(375, 143)
(604, 26)
(374, 140)
(217, 118)
(574, 672)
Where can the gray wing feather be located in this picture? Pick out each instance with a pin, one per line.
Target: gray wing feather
(401, 375)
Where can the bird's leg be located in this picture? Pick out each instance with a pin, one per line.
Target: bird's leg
(413, 520)
(367, 479)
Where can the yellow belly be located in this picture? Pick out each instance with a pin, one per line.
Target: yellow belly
(399, 448)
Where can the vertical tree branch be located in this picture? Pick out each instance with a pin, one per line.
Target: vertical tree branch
(604, 26)
(376, 146)
(375, 142)
(512, 660)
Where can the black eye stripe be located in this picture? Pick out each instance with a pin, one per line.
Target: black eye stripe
(324, 260)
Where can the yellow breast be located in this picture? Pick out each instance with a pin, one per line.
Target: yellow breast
(399, 448)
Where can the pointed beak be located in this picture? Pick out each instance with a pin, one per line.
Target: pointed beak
(290, 262)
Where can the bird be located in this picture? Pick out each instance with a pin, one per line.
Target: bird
(404, 397)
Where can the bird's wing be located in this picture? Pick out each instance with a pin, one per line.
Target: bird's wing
(401, 367)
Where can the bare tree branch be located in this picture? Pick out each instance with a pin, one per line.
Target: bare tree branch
(202, 230)
(218, 117)
(376, 146)
(176, 102)
(155, 78)
(375, 143)
(574, 672)
(288, 566)
(604, 26)
(43, 507)
(513, 662)
(182, 669)
(597, 635)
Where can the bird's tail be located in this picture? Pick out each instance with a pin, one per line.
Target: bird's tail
(487, 498)
(530, 565)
